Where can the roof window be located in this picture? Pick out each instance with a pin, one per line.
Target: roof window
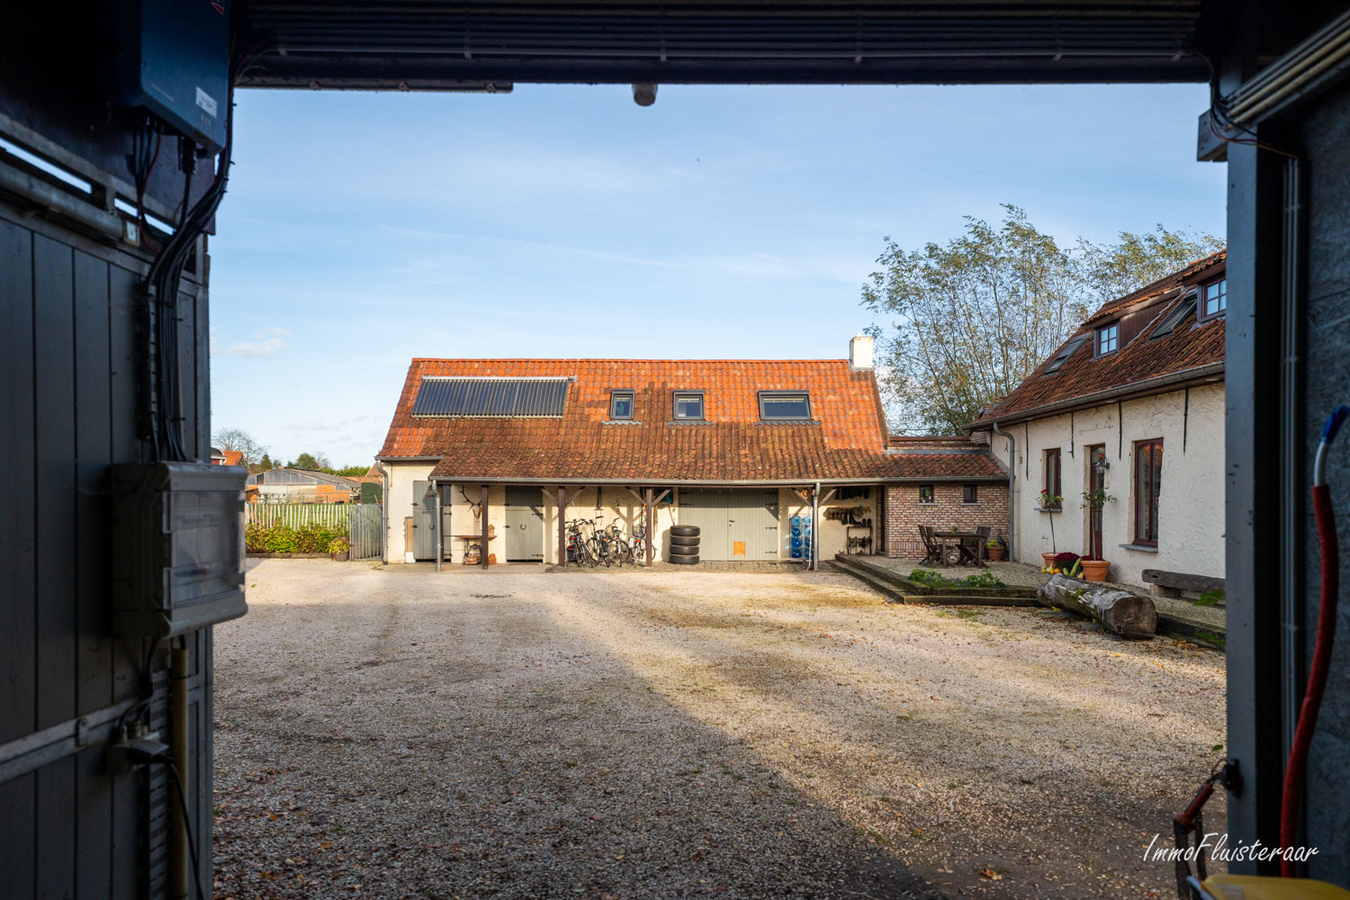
(620, 405)
(1175, 317)
(688, 405)
(1064, 353)
(780, 406)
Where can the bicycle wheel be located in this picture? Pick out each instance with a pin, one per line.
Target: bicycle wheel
(625, 552)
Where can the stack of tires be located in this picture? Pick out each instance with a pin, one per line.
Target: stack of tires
(684, 545)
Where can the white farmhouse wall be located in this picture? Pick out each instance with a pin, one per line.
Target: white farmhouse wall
(400, 501)
(1191, 502)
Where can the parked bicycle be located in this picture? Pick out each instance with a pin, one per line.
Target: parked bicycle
(591, 543)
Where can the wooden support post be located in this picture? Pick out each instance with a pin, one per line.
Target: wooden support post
(650, 524)
(440, 523)
(483, 510)
(562, 526)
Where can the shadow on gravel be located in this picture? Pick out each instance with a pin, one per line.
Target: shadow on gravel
(493, 753)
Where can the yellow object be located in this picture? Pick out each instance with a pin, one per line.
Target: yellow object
(1252, 887)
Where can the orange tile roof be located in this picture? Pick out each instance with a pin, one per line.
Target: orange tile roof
(1191, 346)
(846, 440)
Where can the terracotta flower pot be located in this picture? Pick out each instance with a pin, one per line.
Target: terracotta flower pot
(995, 553)
(1048, 559)
(1095, 569)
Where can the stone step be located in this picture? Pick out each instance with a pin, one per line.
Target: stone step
(886, 588)
(874, 576)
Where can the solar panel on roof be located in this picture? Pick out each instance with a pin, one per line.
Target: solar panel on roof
(502, 397)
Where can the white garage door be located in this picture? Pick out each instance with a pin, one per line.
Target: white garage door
(734, 523)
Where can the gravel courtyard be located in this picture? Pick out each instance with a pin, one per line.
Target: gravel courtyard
(522, 734)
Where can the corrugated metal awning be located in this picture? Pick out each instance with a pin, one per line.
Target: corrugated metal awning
(435, 44)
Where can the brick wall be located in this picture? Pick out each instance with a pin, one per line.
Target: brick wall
(904, 513)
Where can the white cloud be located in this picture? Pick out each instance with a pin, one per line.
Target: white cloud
(250, 349)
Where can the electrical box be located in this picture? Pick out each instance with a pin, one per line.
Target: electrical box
(174, 60)
(177, 547)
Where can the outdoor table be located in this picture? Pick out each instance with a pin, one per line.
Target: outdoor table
(957, 539)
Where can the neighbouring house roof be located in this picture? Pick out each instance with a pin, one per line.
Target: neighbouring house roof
(372, 476)
(233, 457)
(845, 439)
(289, 475)
(1073, 377)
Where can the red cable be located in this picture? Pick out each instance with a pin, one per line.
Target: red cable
(1317, 673)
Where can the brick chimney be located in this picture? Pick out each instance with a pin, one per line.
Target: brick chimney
(859, 353)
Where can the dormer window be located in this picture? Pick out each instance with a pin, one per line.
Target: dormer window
(688, 406)
(785, 406)
(620, 406)
(1108, 339)
(1213, 299)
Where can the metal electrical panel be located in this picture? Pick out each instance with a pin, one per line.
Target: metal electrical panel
(174, 60)
(177, 547)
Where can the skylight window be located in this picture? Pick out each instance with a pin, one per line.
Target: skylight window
(784, 405)
(1063, 355)
(689, 405)
(620, 405)
(1175, 317)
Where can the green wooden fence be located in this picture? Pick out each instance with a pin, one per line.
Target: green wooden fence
(362, 521)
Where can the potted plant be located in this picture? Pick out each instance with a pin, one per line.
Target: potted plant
(1097, 498)
(1094, 568)
(339, 549)
(995, 549)
(1051, 504)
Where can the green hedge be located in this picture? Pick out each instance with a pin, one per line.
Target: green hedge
(285, 539)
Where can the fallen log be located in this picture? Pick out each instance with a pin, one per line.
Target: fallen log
(1120, 612)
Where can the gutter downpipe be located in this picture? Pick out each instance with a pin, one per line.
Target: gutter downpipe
(1012, 480)
(384, 513)
(815, 528)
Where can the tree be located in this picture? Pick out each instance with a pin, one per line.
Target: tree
(1114, 270)
(240, 440)
(972, 318)
(315, 462)
(350, 471)
(264, 465)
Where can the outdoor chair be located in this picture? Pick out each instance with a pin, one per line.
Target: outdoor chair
(973, 554)
(932, 548)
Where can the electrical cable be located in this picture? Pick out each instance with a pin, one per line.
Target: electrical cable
(161, 287)
(1218, 113)
(187, 825)
(1322, 647)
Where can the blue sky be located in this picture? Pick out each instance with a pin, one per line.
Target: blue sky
(361, 230)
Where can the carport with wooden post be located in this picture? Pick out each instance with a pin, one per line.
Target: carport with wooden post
(649, 498)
